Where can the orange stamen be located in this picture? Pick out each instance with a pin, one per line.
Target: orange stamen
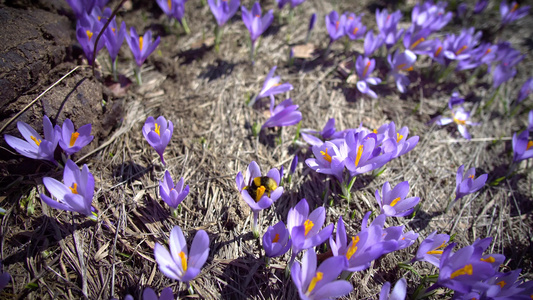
(461, 50)
(353, 247)
(260, 193)
(399, 137)
(169, 4)
(366, 68)
(157, 128)
(529, 145)
(276, 238)
(317, 278)
(420, 40)
(355, 30)
(358, 156)
(141, 43)
(467, 270)
(74, 188)
(89, 34)
(435, 251)
(395, 201)
(73, 137)
(37, 142)
(308, 224)
(183, 261)
(489, 259)
(439, 50)
(326, 156)
(515, 7)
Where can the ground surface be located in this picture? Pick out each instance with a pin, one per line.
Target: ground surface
(205, 95)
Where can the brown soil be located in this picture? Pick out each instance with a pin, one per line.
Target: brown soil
(205, 95)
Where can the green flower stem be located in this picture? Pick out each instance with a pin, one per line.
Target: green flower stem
(137, 72)
(346, 189)
(190, 289)
(252, 48)
(218, 36)
(185, 26)
(255, 229)
(346, 275)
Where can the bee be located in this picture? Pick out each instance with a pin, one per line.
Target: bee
(260, 186)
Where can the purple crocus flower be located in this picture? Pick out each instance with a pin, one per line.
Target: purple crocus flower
(522, 146)
(35, 146)
(466, 184)
(335, 25)
(461, 46)
(387, 24)
(512, 12)
(396, 234)
(173, 8)
(149, 294)
(363, 153)
(328, 132)
(363, 248)
(417, 41)
(223, 10)
(114, 38)
(71, 141)
(305, 228)
(428, 15)
(258, 191)
(396, 142)
(398, 292)
(394, 202)
(141, 46)
(75, 194)
(284, 114)
(179, 264)
(354, 28)
(364, 67)
(158, 134)
(430, 249)
(455, 99)
(81, 7)
(480, 6)
(272, 87)
(329, 159)
(403, 61)
(508, 58)
(276, 240)
(87, 29)
(436, 51)
(460, 117)
(526, 90)
(319, 283)
(172, 194)
(254, 22)
(372, 43)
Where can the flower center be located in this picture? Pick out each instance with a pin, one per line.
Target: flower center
(471, 176)
(394, 201)
(157, 129)
(459, 122)
(366, 68)
(260, 192)
(37, 141)
(529, 145)
(439, 50)
(73, 137)
(326, 155)
(355, 30)
(466, 270)
(501, 284)
(404, 67)
(353, 247)
(308, 224)
(399, 137)
(489, 259)
(420, 40)
(74, 188)
(435, 251)
(515, 7)
(461, 50)
(183, 261)
(276, 238)
(141, 43)
(314, 281)
(359, 153)
(337, 25)
(89, 34)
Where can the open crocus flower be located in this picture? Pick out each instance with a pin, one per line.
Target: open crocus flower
(397, 142)
(35, 146)
(394, 203)
(403, 61)
(87, 29)
(180, 264)
(466, 184)
(335, 25)
(417, 41)
(431, 248)
(75, 194)
(512, 12)
(305, 228)
(354, 28)
(158, 134)
(398, 292)
(285, 114)
(172, 194)
(364, 67)
(460, 47)
(258, 191)
(272, 87)
(388, 26)
(71, 141)
(460, 117)
(319, 283)
(141, 46)
(276, 240)
(361, 153)
(329, 159)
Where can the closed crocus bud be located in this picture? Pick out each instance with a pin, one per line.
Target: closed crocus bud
(276, 240)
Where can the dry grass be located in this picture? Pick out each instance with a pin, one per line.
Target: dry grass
(50, 256)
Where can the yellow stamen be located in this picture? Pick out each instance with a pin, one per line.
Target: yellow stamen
(169, 4)
(37, 141)
(99, 18)
(114, 30)
(529, 145)
(317, 278)
(74, 188)
(359, 153)
(467, 270)
(487, 52)
(260, 193)
(420, 40)
(73, 137)
(353, 247)
(326, 155)
(471, 176)
(501, 284)
(515, 7)
(395, 201)
(459, 122)
(308, 224)
(157, 128)
(183, 261)
(276, 238)
(89, 34)
(461, 50)
(489, 259)
(439, 50)
(141, 43)
(399, 137)
(435, 251)
(366, 68)
(375, 131)
(355, 30)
